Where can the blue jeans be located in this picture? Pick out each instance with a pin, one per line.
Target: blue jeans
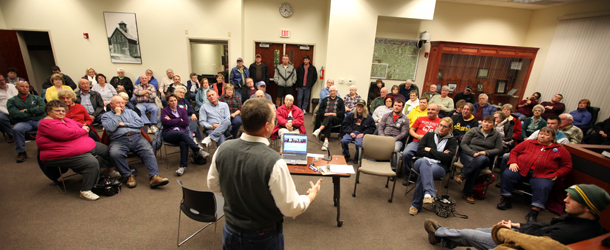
(238, 94)
(5, 124)
(194, 128)
(407, 156)
(236, 124)
(347, 138)
(19, 133)
(136, 143)
(425, 183)
(479, 238)
(183, 139)
(218, 134)
(233, 238)
(504, 164)
(471, 170)
(540, 186)
(520, 116)
(303, 98)
(152, 109)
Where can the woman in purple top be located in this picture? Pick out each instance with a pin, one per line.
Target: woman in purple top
(395, 94)
(176, 131)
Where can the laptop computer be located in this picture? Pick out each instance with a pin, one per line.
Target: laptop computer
(294, 149)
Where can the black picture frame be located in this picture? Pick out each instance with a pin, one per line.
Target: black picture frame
(482, 73)
(440, 74)
(123, 37)
(501, 86)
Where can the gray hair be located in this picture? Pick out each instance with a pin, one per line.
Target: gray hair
(168, 70)
(508, 105)
(332, 87)
(354, 86)
(568, 116)
(289, 97)
(445, 88)
(120, 70)
(123, 95)
(148, 70)
(538, 107)
(484, 95)
(180, 87)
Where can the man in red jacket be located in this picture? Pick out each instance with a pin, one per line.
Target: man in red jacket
(290, 119)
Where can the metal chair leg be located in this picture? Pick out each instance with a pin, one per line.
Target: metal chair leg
(356, 183)
(392, 195)
(63, 191)
(166, 158)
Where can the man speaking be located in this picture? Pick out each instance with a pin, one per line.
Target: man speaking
(255, 183)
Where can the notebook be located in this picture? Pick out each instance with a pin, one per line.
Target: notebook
(294, 149)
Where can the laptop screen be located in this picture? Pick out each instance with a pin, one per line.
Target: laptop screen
(295, 143)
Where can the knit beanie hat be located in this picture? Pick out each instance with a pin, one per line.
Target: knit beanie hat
(592, 196)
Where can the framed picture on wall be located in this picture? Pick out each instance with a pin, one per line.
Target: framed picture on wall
(483, 73)
(452, 87)
(123, 39)
(440, 74)
(480, 87)
(501, 86)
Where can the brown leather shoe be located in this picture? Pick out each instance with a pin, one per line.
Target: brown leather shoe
(459, 179)
(21, 157)
(10, 139)
(468, 199)
(131, 181)
(157, 181)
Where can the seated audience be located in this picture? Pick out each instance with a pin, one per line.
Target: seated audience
(444, 102)
(201, 96)
(107, 91)
(248, 90)
(123, 127)
(411, 103)
(375, 91)
(77, 112)
(431, 93)
(436, 150)
(215, 117)
(56, 70)
(234, 107)
(351, 99)
(90, 76)
(553, 122)
(458, 108)
(503, 126)
(566, 127)
(355, 126)
(64, 142)
(533, 123)
(219, 85)
(145, 101)
(262, 87)
(540, 162)
(193, 85)
(479, 146)
(419, 111)
(128, 104)
(420, 127)
(464, 122)
(382, 110)
(290, 119)
(185, 104)
(91, 100)
(583, 206)
(177, 83)
(58, 84)
(406, 88)
(554, 107)
(325, 92)
(467, 96)
(151, 79)
(380, 100)
(330, 113)
(599, 134)
(7, 91)
(175, 122)
(525, 107)
(582, 116)
(514, 121)
(122, 82)
(483, 108)
(25, 111)
(395, 124)
(395, 93)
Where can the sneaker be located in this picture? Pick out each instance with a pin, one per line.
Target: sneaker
(316, 133)
(203, 153)
(180, 171)
(131, 181)
(157, 181)
(428, 199)
(413, 211)
(196, 142)
(21, 157)
(206, 141)
(154, 129)
(115, 174)
(149, 130)
(304, 112)
(325, 146)
(431, 226)
(88, 195)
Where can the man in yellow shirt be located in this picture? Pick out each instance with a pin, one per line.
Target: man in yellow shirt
(418, 111)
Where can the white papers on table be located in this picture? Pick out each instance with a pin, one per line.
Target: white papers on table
(342, 169)
(315, 155)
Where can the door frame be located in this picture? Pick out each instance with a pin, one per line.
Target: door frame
(190, 39)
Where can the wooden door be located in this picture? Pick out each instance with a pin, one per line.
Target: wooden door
(296, 54)
(271, 57)
(10, 54)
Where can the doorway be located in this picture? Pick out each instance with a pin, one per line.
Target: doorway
(209, 58)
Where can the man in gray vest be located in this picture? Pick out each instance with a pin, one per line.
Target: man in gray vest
(285, 77)
(256, 183)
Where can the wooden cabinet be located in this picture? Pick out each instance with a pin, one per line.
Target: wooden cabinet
(491, 69)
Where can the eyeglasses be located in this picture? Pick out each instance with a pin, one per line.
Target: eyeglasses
(59, 111)
(537, 110)
(443, 126)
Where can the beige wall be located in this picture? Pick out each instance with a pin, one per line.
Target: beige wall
(206, 58)
(2, 22)
(161, 27)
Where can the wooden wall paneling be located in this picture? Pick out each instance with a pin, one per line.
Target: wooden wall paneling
(10, 54)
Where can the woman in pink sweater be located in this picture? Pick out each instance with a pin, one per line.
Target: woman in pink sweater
(66, 143)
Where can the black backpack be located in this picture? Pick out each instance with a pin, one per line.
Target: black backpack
(199, 160)
(107, 186)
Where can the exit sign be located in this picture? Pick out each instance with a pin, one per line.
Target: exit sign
(285, 33)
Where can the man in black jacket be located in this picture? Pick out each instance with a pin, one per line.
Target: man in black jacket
(330, 113)
(584, 205)
(259, 70)
(67, 80)
(467, 96)
(307, 76)
(122, 82)
(355, 126)
(91, 100)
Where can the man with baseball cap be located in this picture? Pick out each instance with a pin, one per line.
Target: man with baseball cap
(238, 76)
(307, 76)
(262, 86)
(355, 126)
(583, 205)
(467, 95)
(259, 70)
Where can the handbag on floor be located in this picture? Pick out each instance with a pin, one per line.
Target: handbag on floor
(444, 206)
(480, 185)
(107, 186)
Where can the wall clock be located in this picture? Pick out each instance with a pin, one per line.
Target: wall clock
(286, 10)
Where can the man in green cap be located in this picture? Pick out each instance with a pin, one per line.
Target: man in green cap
(583, 205)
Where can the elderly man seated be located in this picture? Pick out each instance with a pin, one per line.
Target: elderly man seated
(262, 87)
(483, 108)
(177, 83)
(444, 102)
(145, 101)
(566, 127)
(290, 119)
(552, 122)
(6, 92)
(351, 99)
(380, 100)
(215, 117)
(355, 126)
(91, 100)
(583, 206)
(123, 127)
(26, 110)
(122, 82)
(330, 113)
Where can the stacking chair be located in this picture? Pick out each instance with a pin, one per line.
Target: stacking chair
(202, 206)
(451, 167)
(165, 145)
(381, 149)
(486, 171)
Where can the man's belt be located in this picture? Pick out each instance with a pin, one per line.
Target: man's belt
(130, 134)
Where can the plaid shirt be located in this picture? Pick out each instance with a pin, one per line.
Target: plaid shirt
(350, 102)
(233, 102)
(140, 98)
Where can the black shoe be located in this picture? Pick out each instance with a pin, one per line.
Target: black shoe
(346, 158)
(21, 157)
(506, 203)
(532, 216)
(498, 185)
(356, 160)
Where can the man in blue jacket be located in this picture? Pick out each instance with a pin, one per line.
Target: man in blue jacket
(483, 108)
(355, 126)
(238, 76)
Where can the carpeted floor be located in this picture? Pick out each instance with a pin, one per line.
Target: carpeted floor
(35, 215)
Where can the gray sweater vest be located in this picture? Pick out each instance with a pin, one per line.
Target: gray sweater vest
(244, 170)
